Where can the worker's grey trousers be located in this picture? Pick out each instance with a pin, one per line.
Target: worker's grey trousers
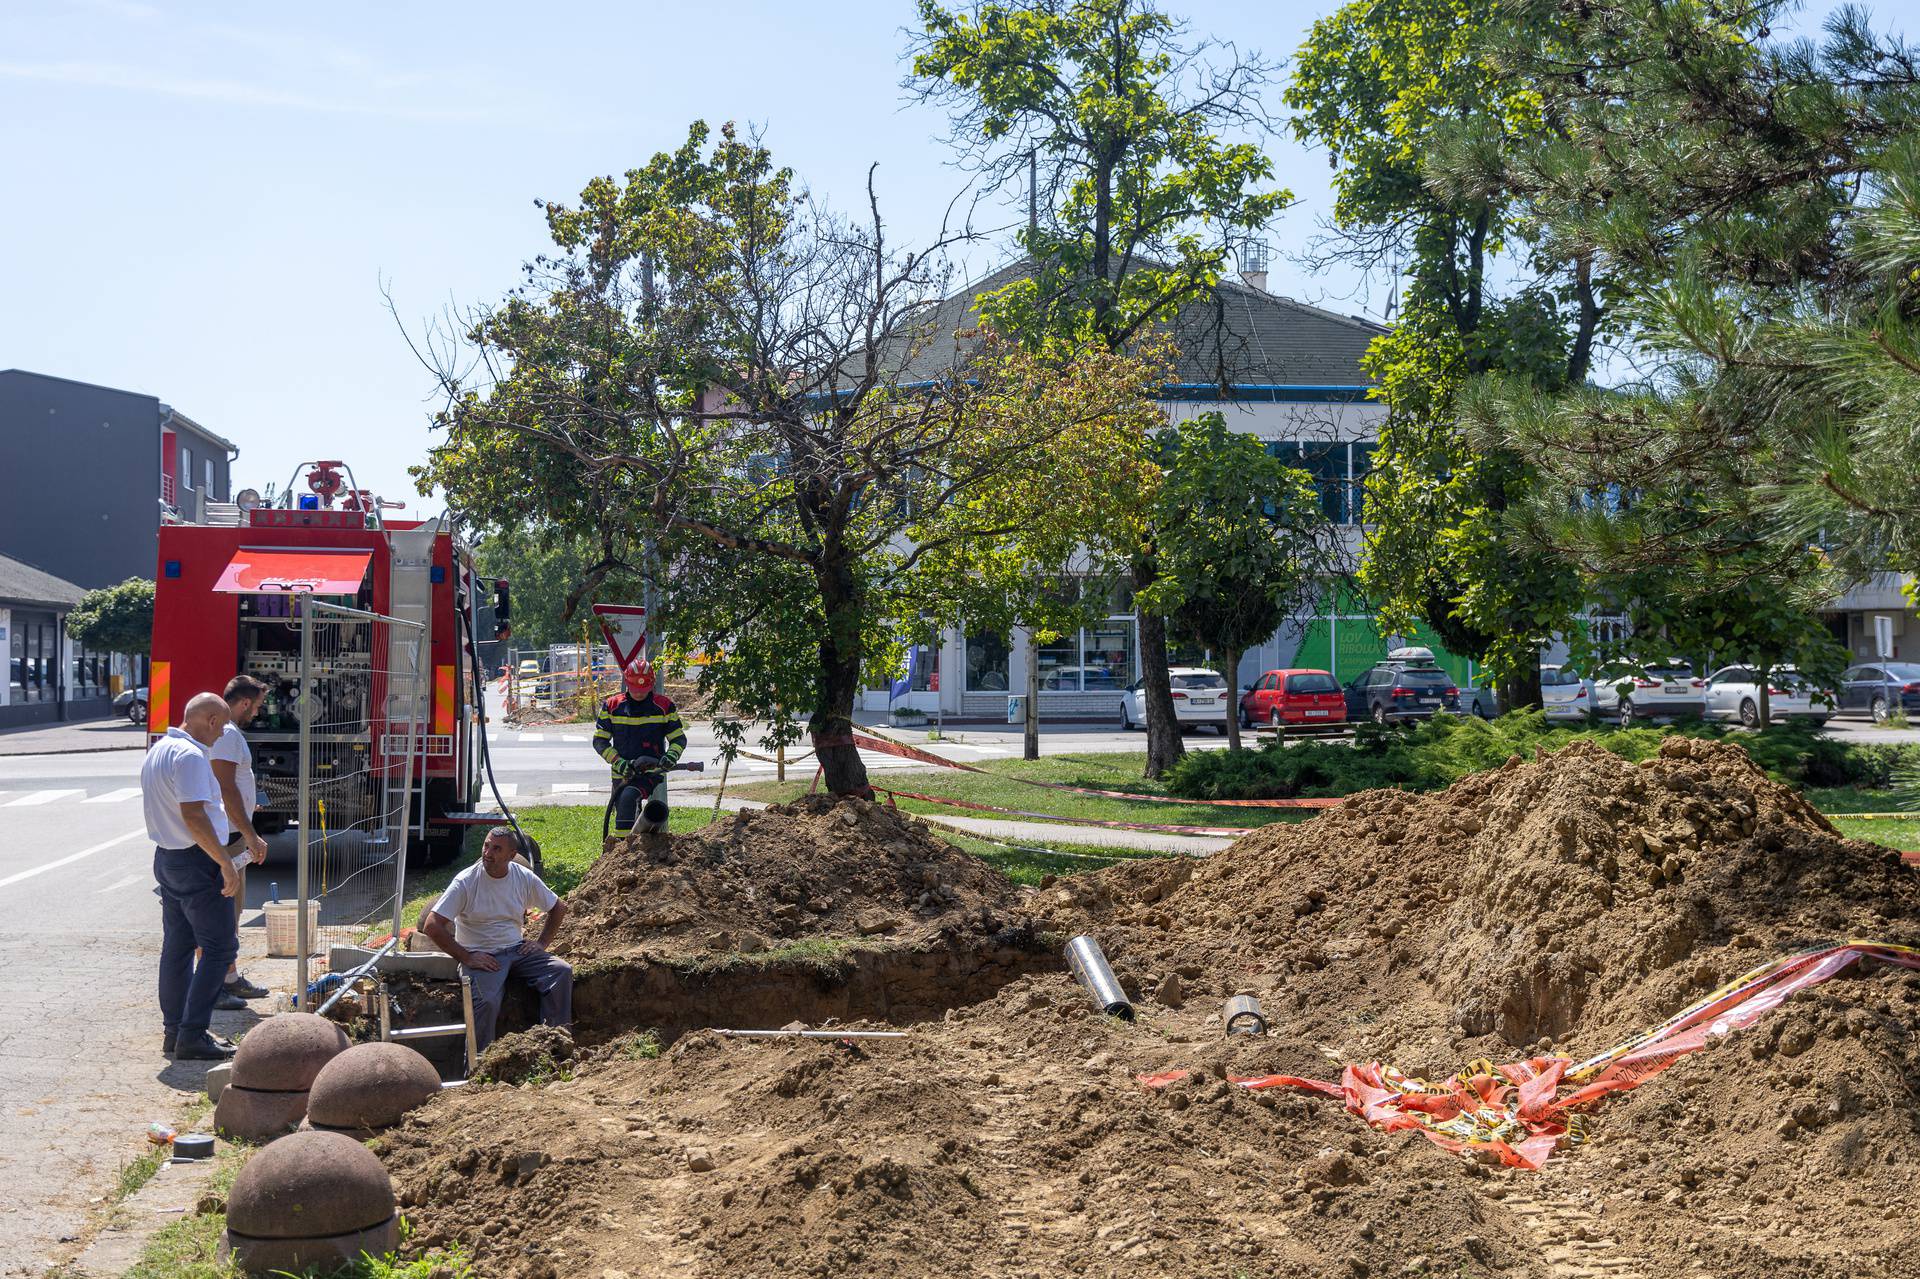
(552, 977)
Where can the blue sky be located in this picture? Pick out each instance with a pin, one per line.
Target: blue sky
(206, 200)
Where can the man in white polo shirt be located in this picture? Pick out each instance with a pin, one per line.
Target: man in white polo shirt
(232, 761)
(189, 832)
(478, 921)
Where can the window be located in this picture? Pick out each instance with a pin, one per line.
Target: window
(1204, 680)
(34, 668)
(206, 475)
(1058, 670)
(1311, 683)
(1362, 467)
(186, 466)
(1327, 464)
(1107, 654)
(988, 663)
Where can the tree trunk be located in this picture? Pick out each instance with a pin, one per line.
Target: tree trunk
(1521, 692)
(1230, 669)
(1163, 728)
(1030, 736)
(841, 768)
(1766, 701)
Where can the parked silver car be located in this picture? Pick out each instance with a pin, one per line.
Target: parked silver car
(1565, 695)
(1733, 693)
(1663, 691)
(1200, 696)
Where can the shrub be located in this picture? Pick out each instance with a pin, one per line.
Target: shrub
(1437, 752)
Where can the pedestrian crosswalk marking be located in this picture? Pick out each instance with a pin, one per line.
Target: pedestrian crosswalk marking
(531, 737)
(509, 789)
(573, 737)
(127, 882)
(41, 797)
(114, 796)
(569, 788)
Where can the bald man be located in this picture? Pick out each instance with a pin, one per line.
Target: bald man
(188, 826)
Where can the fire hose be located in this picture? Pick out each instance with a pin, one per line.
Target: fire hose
(642, 764)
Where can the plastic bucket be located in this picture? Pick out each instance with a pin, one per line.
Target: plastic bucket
(283, 928)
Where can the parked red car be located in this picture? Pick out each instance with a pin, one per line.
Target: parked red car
(1293, 699)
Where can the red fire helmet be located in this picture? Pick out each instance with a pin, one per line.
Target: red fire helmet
(638, 677)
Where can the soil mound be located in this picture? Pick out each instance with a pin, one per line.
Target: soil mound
(1565, 902)
(537, 1053)
(817, 868)
(1573, 899)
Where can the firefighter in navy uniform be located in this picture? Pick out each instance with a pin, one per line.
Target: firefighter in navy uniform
(639, 732)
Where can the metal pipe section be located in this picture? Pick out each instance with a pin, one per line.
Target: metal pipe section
(1244, 1016)
(347, 981)
(812, 1034)
(1091, 970)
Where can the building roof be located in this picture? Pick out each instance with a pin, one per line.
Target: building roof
(1241, 336)
(24, 584)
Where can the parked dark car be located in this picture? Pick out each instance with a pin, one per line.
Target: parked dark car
(1401, 689)
(133, 705)
(1875, 688)
(1294, 699)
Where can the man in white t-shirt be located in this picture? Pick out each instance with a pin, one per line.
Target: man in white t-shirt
(478, 921)
(181, 801)
(232, 761)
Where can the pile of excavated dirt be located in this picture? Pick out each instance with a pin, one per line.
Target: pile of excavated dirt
(1572, 899)
(536, 1053)
(754, 880)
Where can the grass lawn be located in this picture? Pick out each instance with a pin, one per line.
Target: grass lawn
(1117, 771)
(1836, 802)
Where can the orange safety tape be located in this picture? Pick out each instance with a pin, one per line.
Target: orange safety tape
(1520, 1113)
(891, 747)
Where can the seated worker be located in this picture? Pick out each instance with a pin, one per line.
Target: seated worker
(639, 732)
(478, 921)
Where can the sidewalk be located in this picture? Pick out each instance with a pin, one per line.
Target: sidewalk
(1040, 833)
(80, 737)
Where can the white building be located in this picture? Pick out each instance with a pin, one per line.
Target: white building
(1277, 369)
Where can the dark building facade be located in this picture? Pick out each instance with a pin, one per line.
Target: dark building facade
(88, 473)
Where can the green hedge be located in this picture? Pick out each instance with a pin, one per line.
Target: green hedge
(1437, 752)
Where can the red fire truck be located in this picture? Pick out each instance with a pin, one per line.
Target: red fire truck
(228, 599)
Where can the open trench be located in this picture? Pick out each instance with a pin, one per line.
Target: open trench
(874, 981)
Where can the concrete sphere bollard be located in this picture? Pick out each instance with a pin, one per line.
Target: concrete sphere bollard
(266, 1095)
(285, 1052)
(370, 1087)
(248, 1114)
(312, 1199)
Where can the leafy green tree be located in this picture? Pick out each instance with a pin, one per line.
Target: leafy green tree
(1416, 120)
(1765, 197)
(115, 619)
(1139, 191)
(555, 576)
(1244, 543)
(709, 363)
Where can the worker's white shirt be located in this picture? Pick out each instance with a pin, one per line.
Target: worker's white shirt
(232, 748)
(176, 772)
(487, 912)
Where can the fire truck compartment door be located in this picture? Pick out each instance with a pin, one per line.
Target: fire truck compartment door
(258, 571)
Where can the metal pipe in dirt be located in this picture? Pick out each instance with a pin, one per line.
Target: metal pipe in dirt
(1091, 969)
(348, 979)
(1244, 1016)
